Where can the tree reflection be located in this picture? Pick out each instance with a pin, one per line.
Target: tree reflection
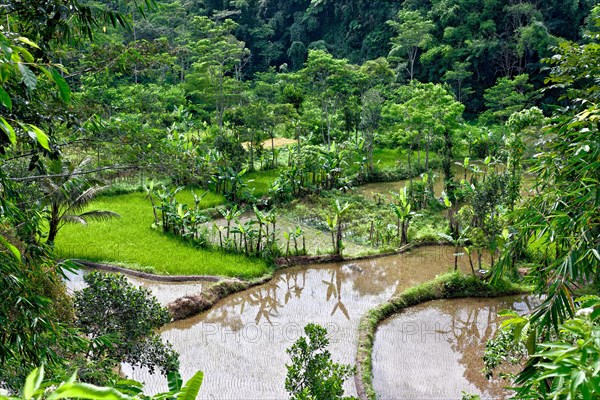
(471, 324)
(334, 290)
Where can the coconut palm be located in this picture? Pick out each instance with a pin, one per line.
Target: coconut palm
(67, 193)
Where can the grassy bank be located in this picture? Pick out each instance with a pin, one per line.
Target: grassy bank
(448, 286)
(130, 241)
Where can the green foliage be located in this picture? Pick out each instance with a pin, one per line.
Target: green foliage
(68, 193)
(37, 388)
(312, 374)
(509, 96)
(219, 57)
(412, 37)
(120, 321)
(563, 216)
(34, 314)
(564, 366)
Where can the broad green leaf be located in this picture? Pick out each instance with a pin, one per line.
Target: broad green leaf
(191, 388)
(530, 343)
(8, 129)
(87, 391)
(26, 54)
(25, 40)
(5, 99)
(174, 381)
(15, 252)
(28, 77)
(37, 134)
(63, 87)
(33, 382)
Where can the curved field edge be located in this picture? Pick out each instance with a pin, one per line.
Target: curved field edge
(222, 286)
(451, 285)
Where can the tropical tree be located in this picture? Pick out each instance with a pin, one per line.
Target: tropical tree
(68, 192)
(120, 321)
(335, 224)
(413, 35)
(457, 77)
(372, 102)
(331, 83)
(312, 374)
(509, 96)
(216, 76)
(561, 335)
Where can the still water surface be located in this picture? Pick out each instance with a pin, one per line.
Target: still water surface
(435, 350)
(240, 343)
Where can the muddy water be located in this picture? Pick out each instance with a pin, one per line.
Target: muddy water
(240, 343)
(434, 350)
(384, 188)
(165, 292)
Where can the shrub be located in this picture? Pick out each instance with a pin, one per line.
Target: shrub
(120, 320)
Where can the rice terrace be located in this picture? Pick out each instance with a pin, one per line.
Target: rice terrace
(307, 200)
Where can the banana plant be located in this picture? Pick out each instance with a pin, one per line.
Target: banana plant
(271, 218)
(261, 220)
(296, 234)
(335, 224)
(457, 242)
(404, 214)
(148, 187)
(465, 167)
(219, 229)
(230, 214)
(287, 237)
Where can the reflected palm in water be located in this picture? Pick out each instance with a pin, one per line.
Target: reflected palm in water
(334, 290)
(240, 343)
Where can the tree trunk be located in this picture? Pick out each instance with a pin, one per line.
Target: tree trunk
(252, 152)
(427, 144)
(273, 149)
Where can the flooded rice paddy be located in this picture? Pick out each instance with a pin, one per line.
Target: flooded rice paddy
(240, 344)
(435, 350)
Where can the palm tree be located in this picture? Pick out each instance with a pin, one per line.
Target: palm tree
(67, 194)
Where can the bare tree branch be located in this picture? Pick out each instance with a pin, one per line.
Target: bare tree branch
(35, 177)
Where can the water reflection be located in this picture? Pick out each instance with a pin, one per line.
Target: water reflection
(441, 338)
(240, 343)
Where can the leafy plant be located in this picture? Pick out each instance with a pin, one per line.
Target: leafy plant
(120, 321)
(564, 366)
(312, 374)
(35, 388)
(68, 192)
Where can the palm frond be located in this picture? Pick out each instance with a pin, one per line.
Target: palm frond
(98, 215)
(84, 198)
(73, 219)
